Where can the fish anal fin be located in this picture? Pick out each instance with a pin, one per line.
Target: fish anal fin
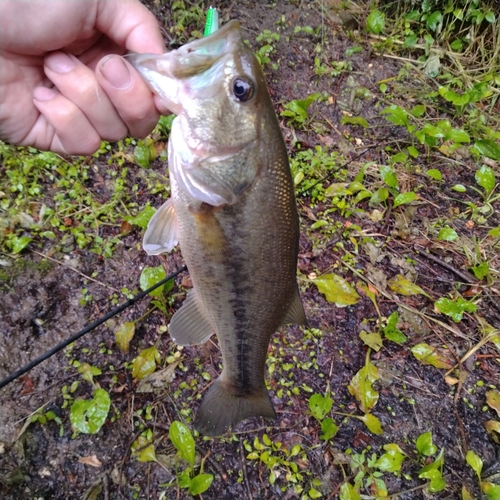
(295, 314)
(188, 325)
(161, 234)
(221, 409)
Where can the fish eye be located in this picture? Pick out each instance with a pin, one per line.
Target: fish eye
(242, 89)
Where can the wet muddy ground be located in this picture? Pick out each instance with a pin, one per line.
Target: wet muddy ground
(40, 305)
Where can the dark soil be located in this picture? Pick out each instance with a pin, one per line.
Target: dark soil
(40, 307)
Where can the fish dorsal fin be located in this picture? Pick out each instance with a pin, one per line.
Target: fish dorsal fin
(188, 326)
(295, 314)
(161, 234)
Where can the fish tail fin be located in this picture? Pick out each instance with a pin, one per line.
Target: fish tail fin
(221, 409)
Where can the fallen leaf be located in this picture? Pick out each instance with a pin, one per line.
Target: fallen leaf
(158, 380)
(401, 285)
(337, 290)
(91, 460)
(361, 386)
(493, 429)
(429, 355)
(493, 400)
(124, 335)
(373, 340)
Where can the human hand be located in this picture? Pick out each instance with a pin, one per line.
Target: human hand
(63, 86)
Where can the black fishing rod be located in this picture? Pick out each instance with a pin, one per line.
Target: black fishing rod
(81, 333)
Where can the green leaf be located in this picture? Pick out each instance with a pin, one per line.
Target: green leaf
(447, 234)
(329, 429)
(434, 20)
(348, 492)
(410, 41)
(379, 196)
(145, 363)
(433, 131)
(454, 308)
(183, 441)
(143, 217)
(19, 243)
(149, 277)
(436, 465)
(391, 460)
(459, 188)
(372, 423)
(493, 400)
(388, 175)
(486, 179)
(417, 110)
(488, 148)
(401, 285)
(361, 386)
(375, 22)
(89, 415)
(475, 462)
(437, 482)
(320, 406)
(200, 484)
(458, 135)
(392, 332)
(396, 114)
(404, 198)
(494, 233)
(435, 174)
(373, 340)
(337, 290)
(124, 335)
(429, 355)
(481, 270)
(424, 444)
(145, 152)
(354, 120)
(492, 490)
(313, 493)
(413, 152)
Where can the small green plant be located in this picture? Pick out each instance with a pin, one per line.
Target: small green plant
(281, 464)
(319, 407)
(297, 110)
(432, 471)
(267, 41)
(89, 415)
(143, 449)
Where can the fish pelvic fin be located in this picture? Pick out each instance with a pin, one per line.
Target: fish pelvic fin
(161, 234)
(221, 409)
(295, 314)
(188, 325)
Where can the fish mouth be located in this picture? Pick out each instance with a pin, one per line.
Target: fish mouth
(165, 73)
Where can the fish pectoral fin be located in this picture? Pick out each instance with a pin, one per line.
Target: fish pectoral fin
(188, 325)
(295, 314)
(222, 409)
(161, 234)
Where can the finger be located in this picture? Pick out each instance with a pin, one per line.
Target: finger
(78, 83)
(62, 127)
(130, 24)
(129, 94)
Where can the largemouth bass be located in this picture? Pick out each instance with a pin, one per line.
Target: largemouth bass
(232, 210)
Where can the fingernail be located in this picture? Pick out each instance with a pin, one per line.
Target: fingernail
(116, 72)
(43, 94)
(60, 62)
